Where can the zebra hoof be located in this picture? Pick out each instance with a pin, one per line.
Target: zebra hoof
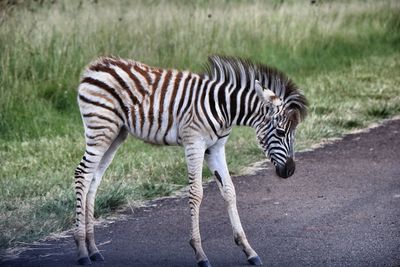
(84, 261)
(205, 263)
(255, 261)
(97, 257)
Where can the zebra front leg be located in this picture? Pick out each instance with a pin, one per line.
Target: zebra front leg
(194, 158)
(215, 158)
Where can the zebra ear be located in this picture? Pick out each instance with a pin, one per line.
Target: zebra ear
(267, 95)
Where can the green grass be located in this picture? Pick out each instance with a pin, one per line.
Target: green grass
(345, 55)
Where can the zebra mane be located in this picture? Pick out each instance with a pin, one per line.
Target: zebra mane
(243, 72)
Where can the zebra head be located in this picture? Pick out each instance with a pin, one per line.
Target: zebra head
(276, 130)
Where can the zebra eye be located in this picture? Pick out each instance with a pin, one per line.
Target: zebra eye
(280, 132)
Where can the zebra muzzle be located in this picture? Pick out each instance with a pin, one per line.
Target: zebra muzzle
(286, 170)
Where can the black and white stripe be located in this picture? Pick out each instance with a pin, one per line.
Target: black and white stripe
(171, 107)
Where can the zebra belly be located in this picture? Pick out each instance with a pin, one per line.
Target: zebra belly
(158, 136)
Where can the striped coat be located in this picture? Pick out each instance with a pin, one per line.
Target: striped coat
(197, 111)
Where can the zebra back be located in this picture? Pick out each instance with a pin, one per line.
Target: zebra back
(159, 105)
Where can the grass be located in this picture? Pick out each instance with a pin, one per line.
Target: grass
(344, 54)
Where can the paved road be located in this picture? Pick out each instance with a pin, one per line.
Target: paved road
(341, 208)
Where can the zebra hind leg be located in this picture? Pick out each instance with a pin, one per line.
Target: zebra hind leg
(107, 158)
(98, 155)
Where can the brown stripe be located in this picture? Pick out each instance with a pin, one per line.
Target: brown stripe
(122, 83)
(133, 118)
(144, 73)
(127, 68)
(88, 101)
(98, 135)
(196, 123)
(163, 91)
(185, 89)
(172, 103)
(109, 89)
(151, 105)
(89, 115)
(141, 117)
(100, 95)
(100, 128)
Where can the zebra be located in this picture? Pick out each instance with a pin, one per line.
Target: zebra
(197, 111)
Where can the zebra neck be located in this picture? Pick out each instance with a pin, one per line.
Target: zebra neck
(231, 104)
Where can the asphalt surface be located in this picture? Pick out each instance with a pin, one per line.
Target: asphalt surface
(341, 208)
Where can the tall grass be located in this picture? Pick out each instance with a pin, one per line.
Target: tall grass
(345, 56)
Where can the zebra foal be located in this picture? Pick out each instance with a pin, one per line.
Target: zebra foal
(196, 111)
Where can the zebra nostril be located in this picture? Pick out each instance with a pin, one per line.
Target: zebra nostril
(281, 171)
(287, 170)
(290, 166)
